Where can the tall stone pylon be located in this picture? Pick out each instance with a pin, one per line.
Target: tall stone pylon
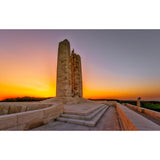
(80, 71)
(63, 86)
(76, 73)
(69, 72)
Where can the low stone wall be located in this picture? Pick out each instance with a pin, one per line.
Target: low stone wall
(109, 103)
(131, 106)
(30, 119)
(14, 107)
(149, 112)
(127, 124)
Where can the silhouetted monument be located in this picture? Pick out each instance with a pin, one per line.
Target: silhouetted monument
(69, 72)
(138, 102)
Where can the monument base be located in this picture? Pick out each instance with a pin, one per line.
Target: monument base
(66, 100)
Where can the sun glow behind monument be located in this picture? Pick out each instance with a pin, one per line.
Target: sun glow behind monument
(114, 63)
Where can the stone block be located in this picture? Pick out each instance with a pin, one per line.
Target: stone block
(14, 109)
(12, 129)
(52, 113)
(23, 108)
(30, 119)
(31, 107)
(8, 121)
(4, 109)
(21, 127)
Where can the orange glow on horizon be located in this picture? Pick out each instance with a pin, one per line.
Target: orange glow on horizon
(28, 74)
(38, 89)
(38, 85)
(45, 89)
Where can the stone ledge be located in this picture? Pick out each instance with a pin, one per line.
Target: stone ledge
(132, 120)
(18, 107)
(8, 121)
(127, 124)
(149, 112)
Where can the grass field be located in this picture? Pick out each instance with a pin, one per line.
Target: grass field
(155, 107)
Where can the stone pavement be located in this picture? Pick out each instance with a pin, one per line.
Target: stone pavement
(109, 122)
(153, 119)
(90, 119)
(139, 121)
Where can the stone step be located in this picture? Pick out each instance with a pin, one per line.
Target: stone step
(84, 117)
(91, 122)
(83, 111)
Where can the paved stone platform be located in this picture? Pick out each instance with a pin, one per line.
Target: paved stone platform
(109, 122)
(81, 108)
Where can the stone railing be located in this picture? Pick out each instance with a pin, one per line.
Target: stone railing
(30, 119)
(125, 121)
(149, 112)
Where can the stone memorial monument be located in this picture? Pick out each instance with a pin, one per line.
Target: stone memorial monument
(69, 72)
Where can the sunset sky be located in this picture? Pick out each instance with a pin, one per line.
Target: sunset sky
(121, 64)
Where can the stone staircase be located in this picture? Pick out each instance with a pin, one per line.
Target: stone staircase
(90, 119)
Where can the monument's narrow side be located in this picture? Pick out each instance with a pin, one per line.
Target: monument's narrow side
(63, 86)
(76, 74)
(80, 82)
(69, 72)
